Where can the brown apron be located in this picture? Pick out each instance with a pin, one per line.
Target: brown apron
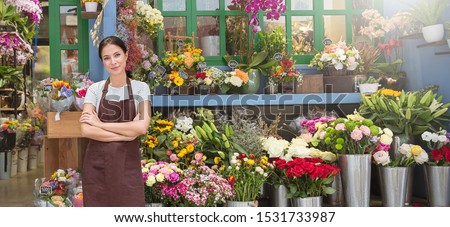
(112, 170)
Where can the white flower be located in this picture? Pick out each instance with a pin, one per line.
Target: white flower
(208, 81)
(434, 105)
(421, 158)
(144, 170)
(328, 156)
(150, 181)
(315, 153)
(184, 123)
(442, 138)
(382, 158)
(299, 142)
(160, 177)
(426, 136)
(388, 132)
(385, 139)
(274, 147)
(405, 149)
(236, 81)
(297, 152)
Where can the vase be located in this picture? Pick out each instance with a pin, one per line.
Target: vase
(279, 196)
(271, 89)
(332, 71)
(253, 83)
(438, 185)
(337, 198)
(288, 87)
(393, 181)
(91, 6)
(183, 90)
(204, 89)
(394, 152)
(307, 202)
(22, 161)
(433, 33)
(33, 157)
(368, 89)
(355, 173)
(153, 205)
(5, 164)
(242, 204)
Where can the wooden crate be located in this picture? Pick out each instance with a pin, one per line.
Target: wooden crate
(310, 84)
(339, 84)
(63, 146)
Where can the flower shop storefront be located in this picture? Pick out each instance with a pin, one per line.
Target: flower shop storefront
(254, 103)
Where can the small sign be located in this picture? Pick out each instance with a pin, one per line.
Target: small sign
(48, 87)
(180, 43)
(278, 56)
(45, 190)
(327, 42)
(202, 65)
(161, 70)
(183, 74)
(232, 64)
(151, 75)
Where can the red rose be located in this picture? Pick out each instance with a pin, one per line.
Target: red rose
(201, 75)
(437, 154)
(296, 171)
(82, 93)
(281, 164)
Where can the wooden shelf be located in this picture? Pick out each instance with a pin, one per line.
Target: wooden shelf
(438, 43)
(413, 36)
(442, 53)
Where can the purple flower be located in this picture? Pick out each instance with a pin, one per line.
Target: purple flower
(256, 29)
(66, 92)
(273, 15)
(174, 177)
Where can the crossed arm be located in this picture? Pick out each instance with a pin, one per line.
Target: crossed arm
(93, 128)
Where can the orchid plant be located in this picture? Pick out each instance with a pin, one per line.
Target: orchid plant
(272, 8)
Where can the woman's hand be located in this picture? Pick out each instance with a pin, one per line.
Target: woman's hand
(91, 118)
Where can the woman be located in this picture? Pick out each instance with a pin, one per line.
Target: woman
(115, 112)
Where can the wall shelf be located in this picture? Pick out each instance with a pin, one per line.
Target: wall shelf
(438, 43)
(254, 99)
(10, 109)
(442, 53)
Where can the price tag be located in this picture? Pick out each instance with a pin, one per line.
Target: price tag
(183, 74)
(278, 56)
(45, 190)
(151, 75)
(161, 70)
(232, 64)
(202, 65)
(327, 42)
(180, 43)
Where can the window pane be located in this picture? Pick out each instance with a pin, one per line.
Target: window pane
(174, 5)
(208, 33)
(236, 35)
(333, 4)
(69, 24)
(42, 63)
(301, 4)
(362, 4)
(175, 26)
(302, 35)
(271, 25)
(69, 63)
(335, 28)
(207, 5)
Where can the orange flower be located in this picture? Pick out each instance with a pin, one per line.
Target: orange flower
(242, 75)
(188, 62)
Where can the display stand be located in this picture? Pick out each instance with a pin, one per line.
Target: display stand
(63, 146)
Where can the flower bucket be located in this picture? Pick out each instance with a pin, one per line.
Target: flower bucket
(368, 89)
(307, 202)
(271, 89)
(33, 157)
(288, 87)
(14, 158)
(279, 196)
(242, 204)
(5, 164)
(252, 86)
(61, 105)
(337, 198)
(438, 185)
(22, 161)
(393, 181)
(433, 33)
(332, 71)
(91, 6)
(355, 173)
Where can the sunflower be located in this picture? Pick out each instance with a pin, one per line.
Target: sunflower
(178, 81)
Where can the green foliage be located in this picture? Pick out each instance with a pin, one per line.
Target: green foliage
(411, 114)
(11, 77)
(390, 70)
(427, 11)
(9, 16)
(371, 80)
(273, 42)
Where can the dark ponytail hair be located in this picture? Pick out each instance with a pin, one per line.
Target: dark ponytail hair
(114, 40)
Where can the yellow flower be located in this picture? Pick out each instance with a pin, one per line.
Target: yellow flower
(416, 150)
(190, 148)
(250, 162)
(175, 144)
(217, 160)
(178, 81)
(222, 167)
(151, 141)
(204, 158)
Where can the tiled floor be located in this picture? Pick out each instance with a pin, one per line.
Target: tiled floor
(18, 190)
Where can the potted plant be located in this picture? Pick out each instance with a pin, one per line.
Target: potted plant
(91, 5)
(428, 13)
(369, 86)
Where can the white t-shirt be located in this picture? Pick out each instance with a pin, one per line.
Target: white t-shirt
(141, 92)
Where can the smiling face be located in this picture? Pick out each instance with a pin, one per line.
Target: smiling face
(114, 59)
